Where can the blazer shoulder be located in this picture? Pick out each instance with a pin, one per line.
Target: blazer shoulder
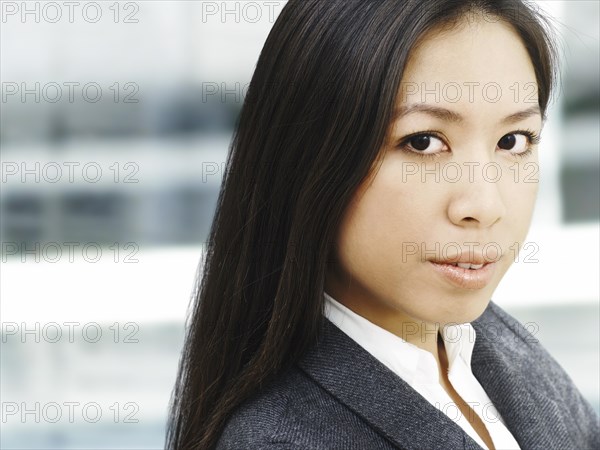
(501, 326)
(256, 422)
(296, 412)
(516, 341)
(523, 351)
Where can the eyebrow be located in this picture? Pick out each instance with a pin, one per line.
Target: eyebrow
(454, 117)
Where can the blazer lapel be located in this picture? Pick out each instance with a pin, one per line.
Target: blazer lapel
(383, 399)
(513, 384)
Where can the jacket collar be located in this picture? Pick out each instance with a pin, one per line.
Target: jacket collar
(348, 372)
(411, 363)
(516, 378)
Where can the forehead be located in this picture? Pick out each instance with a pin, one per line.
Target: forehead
(475, 65)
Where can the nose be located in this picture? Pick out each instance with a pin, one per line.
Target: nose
(476, 200)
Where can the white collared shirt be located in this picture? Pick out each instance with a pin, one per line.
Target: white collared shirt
(418, 368)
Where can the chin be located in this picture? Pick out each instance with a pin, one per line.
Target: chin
(474, 310)
(469, 310)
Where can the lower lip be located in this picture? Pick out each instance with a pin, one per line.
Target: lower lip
(466, 278)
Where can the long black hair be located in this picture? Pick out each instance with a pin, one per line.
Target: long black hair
(316, 114)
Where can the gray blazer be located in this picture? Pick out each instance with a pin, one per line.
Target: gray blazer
(341, 397)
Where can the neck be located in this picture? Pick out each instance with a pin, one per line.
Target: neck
(427, 337)
(423, 335)
(442, 358)
(417, 332)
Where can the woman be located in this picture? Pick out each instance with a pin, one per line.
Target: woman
(382, 144)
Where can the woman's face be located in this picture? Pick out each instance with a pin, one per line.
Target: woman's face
(465, 187)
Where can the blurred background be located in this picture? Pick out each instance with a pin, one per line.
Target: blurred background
(115, 123)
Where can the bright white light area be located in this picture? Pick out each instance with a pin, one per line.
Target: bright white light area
(159, 286)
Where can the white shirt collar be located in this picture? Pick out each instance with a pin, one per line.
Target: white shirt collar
(411, 363)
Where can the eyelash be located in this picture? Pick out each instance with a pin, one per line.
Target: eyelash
(532, 139)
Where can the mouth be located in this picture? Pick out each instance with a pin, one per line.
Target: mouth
(470, 266)
(465, 275)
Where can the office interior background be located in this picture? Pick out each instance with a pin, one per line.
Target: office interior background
(115, 123)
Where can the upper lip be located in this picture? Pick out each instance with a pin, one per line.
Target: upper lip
(467, 258)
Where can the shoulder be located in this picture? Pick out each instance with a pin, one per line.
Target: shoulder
(254, 423)
(261, 422)
(505, 339)
(295, 412)
(518, 344)
(508, 333)
(508, 339)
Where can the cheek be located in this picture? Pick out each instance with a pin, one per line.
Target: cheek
(520, 199)
(382, 223)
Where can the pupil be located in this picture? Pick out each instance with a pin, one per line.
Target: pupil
(508, 142)
(420, 142)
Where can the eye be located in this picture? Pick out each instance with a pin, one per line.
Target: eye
(422, 143)
(519, 142)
